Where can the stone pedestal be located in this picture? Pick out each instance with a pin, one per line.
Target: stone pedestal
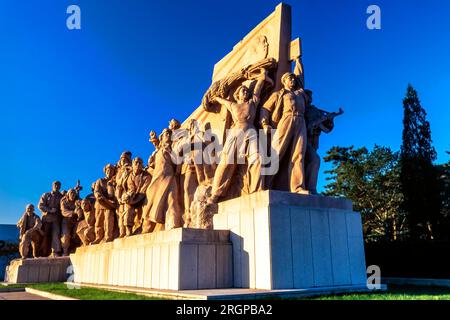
(290, 241)
(38, 270)
(178, 259)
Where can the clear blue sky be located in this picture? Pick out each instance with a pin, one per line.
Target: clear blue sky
(72, 101)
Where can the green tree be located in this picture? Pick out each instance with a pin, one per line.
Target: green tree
(371, 181)
(445, 193)
(418, 175)
(444, 218)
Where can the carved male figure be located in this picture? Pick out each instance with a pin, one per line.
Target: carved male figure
(30, 232)
(181, 147)
(105, 205)
(162, 209)
(49, 205)
(317, 121)
(69, 219)
(184, 170)
(123, 170)
(136, 187)
(86, 221)
(196, 195)
(285, 109)
(241, 145)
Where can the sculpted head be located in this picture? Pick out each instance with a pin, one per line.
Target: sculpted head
(125, 158)
(29, 209)
(137, 165)
(72, 195)
(263, 43)
(193, 126)
(165, 136)
(241, 94)
(86, 205)
(288, 80)
(174, 124)
(56, 186)
(109, 170)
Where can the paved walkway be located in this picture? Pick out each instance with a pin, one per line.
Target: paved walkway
(22, 295)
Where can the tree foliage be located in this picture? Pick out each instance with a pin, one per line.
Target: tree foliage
(444, 198)
(418, 175)
(445, 189)
(371, 181)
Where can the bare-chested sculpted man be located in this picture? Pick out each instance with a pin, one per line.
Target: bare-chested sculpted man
(241, 145)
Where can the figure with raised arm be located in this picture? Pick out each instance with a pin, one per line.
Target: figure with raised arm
(285, 110)
(162, 209)
(241, 144)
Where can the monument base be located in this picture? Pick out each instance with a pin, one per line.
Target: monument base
(283, 240)
(237, 293)
(269, 241)
(38, 270)
(178, 259)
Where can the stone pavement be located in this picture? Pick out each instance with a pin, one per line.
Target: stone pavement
(21, 295)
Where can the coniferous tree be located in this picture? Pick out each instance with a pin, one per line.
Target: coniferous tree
(444, 178)
(418, 176)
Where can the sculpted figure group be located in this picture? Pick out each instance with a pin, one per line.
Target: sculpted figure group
(190, 171)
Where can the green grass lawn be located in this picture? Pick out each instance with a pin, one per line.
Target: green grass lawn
(84, 293)
(395, 293)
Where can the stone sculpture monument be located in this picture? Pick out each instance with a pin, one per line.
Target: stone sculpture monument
(228, 197)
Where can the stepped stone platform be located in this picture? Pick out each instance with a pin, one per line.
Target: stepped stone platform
(179, 259)
(38, 270)
(283, 240)
(264, 242)
(237, 293)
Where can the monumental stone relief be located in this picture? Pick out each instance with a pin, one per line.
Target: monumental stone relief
(257, 115)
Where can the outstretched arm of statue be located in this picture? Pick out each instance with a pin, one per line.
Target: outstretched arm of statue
(154, 139)
(266, 111)
(299, 72)
(257, 91)
(224, 102)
